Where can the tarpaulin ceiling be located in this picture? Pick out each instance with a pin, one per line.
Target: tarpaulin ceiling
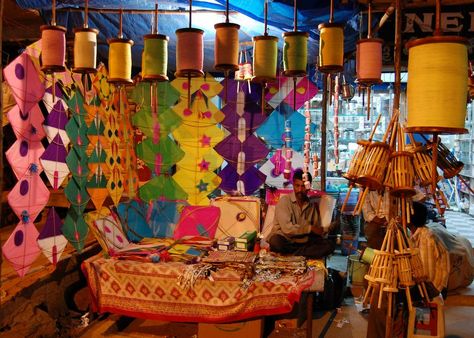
(137, 21)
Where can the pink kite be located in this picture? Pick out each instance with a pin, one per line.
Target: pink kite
(21, 248)
(27, 126)
(23, 154)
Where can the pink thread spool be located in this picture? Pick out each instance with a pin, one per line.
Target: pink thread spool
(53, 41)
(369, 61)
(189, 52)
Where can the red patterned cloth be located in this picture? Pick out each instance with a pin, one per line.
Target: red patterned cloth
(150, 290)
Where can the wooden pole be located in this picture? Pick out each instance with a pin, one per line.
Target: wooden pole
(324, 131)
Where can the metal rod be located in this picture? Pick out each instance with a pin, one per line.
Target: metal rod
(438, 18)
(369, 21)
(121, 24)
(53, 19)
(190, 12)
(331, 12)
(295, 16)
(86, 14)
(155, 26)
(265, 13)
(227, 11)
(139, 11)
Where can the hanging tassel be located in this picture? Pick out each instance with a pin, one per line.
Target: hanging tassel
(241, 163)
(241, 187)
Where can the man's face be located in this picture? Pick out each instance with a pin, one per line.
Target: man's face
(299, 189)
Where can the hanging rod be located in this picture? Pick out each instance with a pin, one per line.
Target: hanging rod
(143, 11)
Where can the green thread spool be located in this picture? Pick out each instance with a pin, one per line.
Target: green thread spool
(265, 55)
(295, 53)
(155, 57)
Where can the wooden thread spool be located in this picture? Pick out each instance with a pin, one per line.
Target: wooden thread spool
(189, 52)
(369, 61)
(120, 60)
(53, 42)
(375, 166)
(446, 161)
(226, 47)
(437, 84)
(85, 50)
(402, 173)
(155, 57)
(265, 52)
(295, 53)
(331, 47)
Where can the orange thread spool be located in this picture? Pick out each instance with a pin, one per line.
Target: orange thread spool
(53, 41)
(189, 52)
(369, 61)
(226, 48)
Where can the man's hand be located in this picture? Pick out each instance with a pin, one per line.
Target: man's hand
(318, 230)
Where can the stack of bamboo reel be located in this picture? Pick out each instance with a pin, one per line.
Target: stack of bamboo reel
(395, 266)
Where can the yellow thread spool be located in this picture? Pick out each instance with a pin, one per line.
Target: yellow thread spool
(265, 52)
(226, 47)
(155, 57)
(189, 52)
(120, 60)
(295, 53)
(53, 42)
(85, 50)
(437, 84)
(369, 61)
(331, 47)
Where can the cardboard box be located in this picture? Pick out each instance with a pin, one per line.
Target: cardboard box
(246, 329)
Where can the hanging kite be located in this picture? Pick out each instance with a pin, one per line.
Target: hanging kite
(51, 240)
(162, 187)
(274, 168)
(97, 190)
(160, 156)
(251, 180)
(77, 195)
(206, 85)
(77, 162)
(103, 88)
(54, 163)
(29, 195)
(197, 185)
(23, 154)
(27, 126)
(25, 83)
(55, 123)
(283, 91)
(21, 248)
(75, 229)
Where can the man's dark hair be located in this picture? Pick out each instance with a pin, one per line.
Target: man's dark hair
(420, 214)
(298, 175)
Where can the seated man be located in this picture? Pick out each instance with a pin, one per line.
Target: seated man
(297, 226)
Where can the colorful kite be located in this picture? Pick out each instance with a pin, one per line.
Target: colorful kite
(51, 240)
(75, 229)
(28, 126)
(25, 83)
(162, 187)
(246, 184)
(54, 163)
(97, 189)
(21, 248)
(56, 122)
(283, 91)
(23, 154)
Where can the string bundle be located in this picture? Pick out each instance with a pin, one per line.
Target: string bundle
(189, 52)
(288, 151)
(437, 85)
(265, 52)
(53, 42)
(85, 50)
(331, 47)
(369, 61)
(307, 145)
(155, 57)
(226, 47)
(120, 60)
(295, 53)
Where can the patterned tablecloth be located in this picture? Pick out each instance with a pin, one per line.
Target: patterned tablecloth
(150, 290)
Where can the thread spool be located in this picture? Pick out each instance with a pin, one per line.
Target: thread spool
(331, 47)
(120, 60)
(437, 84)
(189, 52)
(265, 51)
(226, 47)
(295, 53)
(85, 50)
(53, 48)
(155, 57)
(369, 61)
